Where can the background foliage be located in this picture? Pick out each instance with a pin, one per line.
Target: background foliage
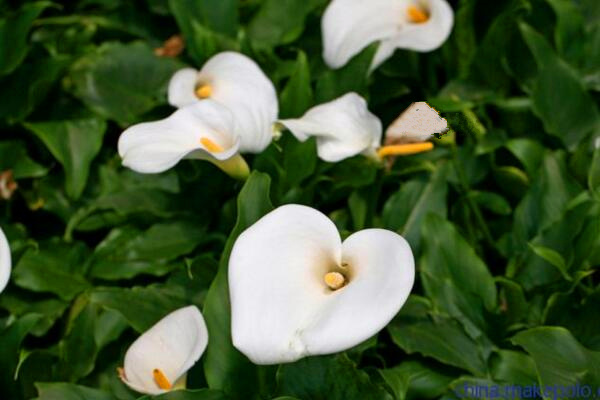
(503, 216)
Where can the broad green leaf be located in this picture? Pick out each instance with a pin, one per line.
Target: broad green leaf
(122, 81)
(142, 307)
(22, 91)
(491, 201)
(512, 301)
(559, 358)
(329, 377)
(218, 15)
(297, 96)
(414, 330)
(280, 21)
(570, 120)
(299, 162)
(221, 360)
(594, 173)
(14, 157)
(54, 268)
(405, 210)
(11, 338)
(14, 29)
(78, 349)
(546, 200)
(127, 252)
(202, 394)
(69, 391)
(569, 34)
(553, 257)
(528, 151)
(513, 367)
(22, 304)
(454, 277)
(75, 144)
(414, 380)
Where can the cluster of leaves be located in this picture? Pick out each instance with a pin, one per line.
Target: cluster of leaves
(503, 216)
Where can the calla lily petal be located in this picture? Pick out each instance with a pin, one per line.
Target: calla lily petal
(348, 26)
(5, 261)
(238, 83)
(154, 147)
(182, 87)
(282, 272)
(343, 127)
(429, 35)
(416, 124)
(172, 346)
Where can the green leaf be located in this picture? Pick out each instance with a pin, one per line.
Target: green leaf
(513, 367)
(22, 304)
(144, 252)
(414, 380)
(528, 151)
(439, 337)
(218, 15)
(351, 78)
(553, 257)
(22, 91)
(300, 161)
(280, 21)
(222, 361)
(69, 391)
(559, 358)
(202, 394)
(329, 377)
(122, 81)
(142, 307)
(297, 96)
(594, 173)
(74, 144)
(14, 29)
(13, 156)
(453, 276)
(405, 210)
(54, 268)
(491, 201)
(570, 120)
(11, 338)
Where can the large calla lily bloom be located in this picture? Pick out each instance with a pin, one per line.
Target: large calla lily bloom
(203, 130)
(159, 359)
(297, 290)
(5, 261)
(348, 26)
(344, 128)
(238, 83)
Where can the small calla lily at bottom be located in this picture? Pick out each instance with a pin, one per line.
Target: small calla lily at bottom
(297, 290)
(5, 261)
(158, 361)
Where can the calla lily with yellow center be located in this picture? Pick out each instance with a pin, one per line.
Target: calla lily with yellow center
(349, 26)
(5, 261)
(297, 290)
(345, 127)
(158, 361)
(203, 130)
(236, 82)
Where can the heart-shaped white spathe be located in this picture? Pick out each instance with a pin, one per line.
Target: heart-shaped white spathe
(282, 306)
(5, 261)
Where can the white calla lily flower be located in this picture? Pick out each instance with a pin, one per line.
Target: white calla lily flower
(348, 26)
(158, 360)
(418, 123)
(5, 261)
(203, 130)
(297, 290)
(344, 127)
(238, 83)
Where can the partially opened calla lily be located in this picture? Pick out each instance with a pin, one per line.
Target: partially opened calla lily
(5, 261)
(158, 361)
(202, 130)
(348, 26)
(344, 128)
(236, 82)
(297, 290)
(417, 124)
